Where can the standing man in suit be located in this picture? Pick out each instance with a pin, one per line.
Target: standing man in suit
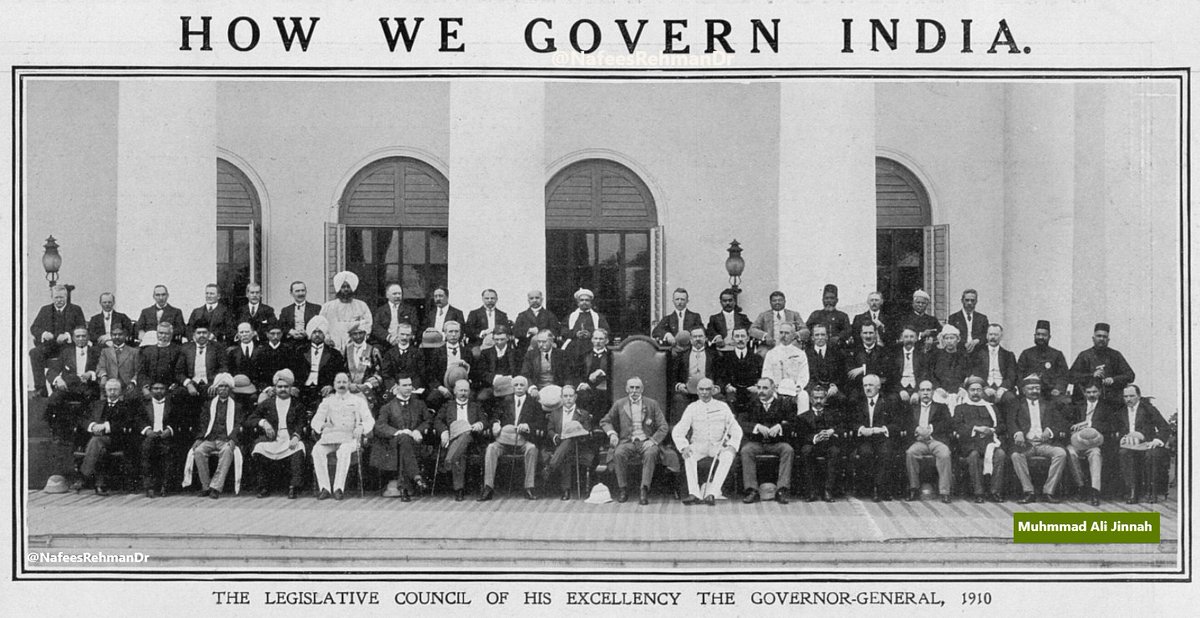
(243, 356)
(909, 367)
(459, 422)
(998, 368)
(202, 362)
(820, 433)
(788, 361)
(867, 358)
(836, 322)
(636, 428)
(161, 311)
(258, 314)
(707, 428)
(1105, 364)
(158, 436)
(929, 428)
(499, 360)
(107, 422)
(569, 430)
(320, 362)
(545, 364)
(73, 378)
(280, 424)
(688, 369)
(482, 321)
(1037, 428)
(1047, 362)
(294, 318)
(442, 311)
(979, 428)
(767, 425)
(972, 324)
(218, 317)
(681, 320)
(826, 364)
(120, 361)
(766, 327)
(725, 321)
(593, 379)
(578, 327)
(101, 325)
(739, 370)
(517, 424)
(51, 330)
(399, 428)
(530, 321)
(438, 358)
(873, 315)
(345, 310)
(875, 422)
(1092, 414)
(1140, 424)
(385, 325)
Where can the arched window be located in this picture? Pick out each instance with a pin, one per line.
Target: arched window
(600, 232)
(910, 251)
(395, 213)
(239, 233)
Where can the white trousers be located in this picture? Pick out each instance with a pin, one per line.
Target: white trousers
(724, 463)
(320, 455)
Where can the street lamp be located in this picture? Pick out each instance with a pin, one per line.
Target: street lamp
(734, 265)
(51, 260)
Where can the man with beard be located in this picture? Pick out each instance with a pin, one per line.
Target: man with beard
(345, 310)
(280, 421)
(979, 428)
(925, 325)
(1048, 363)
(836, 322)
(578, 327)
(532, 320)
(636, 427)
(1104, 364)
(724, 322)
(949, 366)
(162, 362)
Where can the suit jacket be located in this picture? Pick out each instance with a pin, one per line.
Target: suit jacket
(435, 364)
(220, 322)
(1102, 418)
(560, 365)
(214, 360)
(490, 364)
(118, 416)
(67, 365)
(161, 364)
(585, 324)
(920, 364)
(1006, 360)
(148, 324)
(948, 370)
(147, 417)
(287, 316)
(619, 420)
(1147, 420)
(382, 323)
(836, 322)
(670, 324)
(743, 373)
(877, 361)
(887, 415)
(393, 417)
(449, 412)
(122, 363)
(588, 364)
(296, 418)
(979, 327)
(920, 323)
(967, 417)
(883, 333)
(808, 424)
(239, 420)
(716, 324)
(764, 324)
(554, 421)
(504, 412)
(1052, 419)
(477, 323)
(1049, 364)
(781, 412)
(545, 320)
(830, 369)
(263, 316)
(452, 314)
(47, 321)
(96, 330)
(939, 419)
(332, 362)
(410, 363)
(681, 366)
(271, 360)
(237, 363)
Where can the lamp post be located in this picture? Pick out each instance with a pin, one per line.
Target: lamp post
(51, 263)
(735, 265)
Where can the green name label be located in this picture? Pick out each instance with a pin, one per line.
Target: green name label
(1086, 527)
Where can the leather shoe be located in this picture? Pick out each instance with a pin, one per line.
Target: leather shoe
(1132, 499)
(913, 495)
(405, 496)
(324, 495)
(979, 499)
(995, 497)
(622, 495)
(77, 485)
(1051, 498)
(203, 493)
(945, 498)
(1095, 498)
(529, 495)
(691, 499)
(420, 483)
(751, 496)
(781, 495)
(263, 493)
(826, 496)
(875, 496)
(566, 495)
(150, 493)
(486, 494)
(1028, 498)
(710, 500)
(102, 490)
(644, 496)
(812, 497)
(338, 494)
(214, 494)
(460, 495)
(292, 493)
(1153, 497)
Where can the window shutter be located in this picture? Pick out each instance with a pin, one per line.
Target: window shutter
(937, 268)
(335, 255)
(656, 274)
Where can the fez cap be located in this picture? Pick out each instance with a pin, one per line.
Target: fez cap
(830, 289)
(1101, 326)
(1042, 324)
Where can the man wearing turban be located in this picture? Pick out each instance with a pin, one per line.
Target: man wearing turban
(345, 311)
(280, 422)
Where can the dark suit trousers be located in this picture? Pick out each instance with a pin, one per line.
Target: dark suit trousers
(1131, 461)
(874, 455)
(809, 454)
(563, 460)
(627, 455)
(456, 459)
(975, 466)
(95, 459)
(750, 466)
(156, 460)
(267, 470)
(406, 460)
(38, 356)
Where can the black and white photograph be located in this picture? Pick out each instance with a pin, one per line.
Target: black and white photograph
(596, 308)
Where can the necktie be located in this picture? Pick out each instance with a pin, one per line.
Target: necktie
(246, 350)
(778, 316)
(547, 356)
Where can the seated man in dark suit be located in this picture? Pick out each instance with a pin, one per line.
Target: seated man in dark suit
(107, 426)
(979, 428)
(826, 364)
(1142, 432)
(276, 355)
(51, 330)
(739, 370)
(1037, 428)
(679, 321)
(874, 423)
(101, 325)
(459, 422)
(577, 327)
(998, 368)
(244, 355)
(518, 423)
(162, 362)
(820, 433)
(258, 314)
(688, 369)
(928, 428)
(593, 377)
(545, 364)
(1092, 414)
(766, 426)
(320, 365)
(158, 437)
(388, 318)
(399, 428)
(279, 422)
(218, 317)
(481, 322)
(836, 322)
(532, 320)
(450, 351)
(636, 428)
(73, 378)
(499, 360)
(202, 361)
(728, 319)
(867, 358)
(403, 358)
(569, 429)
(161, 311)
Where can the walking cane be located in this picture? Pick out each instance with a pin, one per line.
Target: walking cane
(437, 458)
(712, 469)
(575, 446)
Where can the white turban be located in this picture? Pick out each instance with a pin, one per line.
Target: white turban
(917, 294)
(345, 277)
(583, 292)
(222, 378)
(948, 330)
(285, 374)
(319, 322)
